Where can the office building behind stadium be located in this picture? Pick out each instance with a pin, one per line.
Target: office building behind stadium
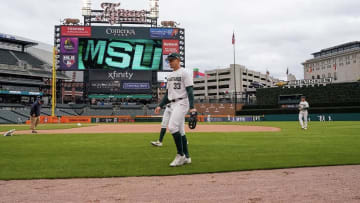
(219, 85)
(340, 63)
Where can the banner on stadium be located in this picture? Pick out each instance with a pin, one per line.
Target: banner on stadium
(75, 31)
(106, 32)
(119, 82)
(69, 45)
(164, 33)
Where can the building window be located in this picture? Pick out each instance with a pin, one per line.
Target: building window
(335, 76)
(323, 76)
(313, 77)
(223, 86)
(318, 76)
(329, 75)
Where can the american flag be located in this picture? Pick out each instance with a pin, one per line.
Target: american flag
(233, 38)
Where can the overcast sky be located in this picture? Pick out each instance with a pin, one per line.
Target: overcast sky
(270, 34)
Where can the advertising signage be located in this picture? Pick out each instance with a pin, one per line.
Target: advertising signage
(76, 31)
(119, 48)
(119, 82)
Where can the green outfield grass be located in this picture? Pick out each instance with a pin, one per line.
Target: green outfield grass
(118, 155)
(4, 128)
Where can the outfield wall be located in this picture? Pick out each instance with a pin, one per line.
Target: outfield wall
(313, 117)
(337, 94)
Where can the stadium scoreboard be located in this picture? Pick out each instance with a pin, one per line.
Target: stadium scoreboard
(82, 48)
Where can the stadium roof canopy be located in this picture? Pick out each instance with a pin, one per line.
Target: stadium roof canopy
(18, 42)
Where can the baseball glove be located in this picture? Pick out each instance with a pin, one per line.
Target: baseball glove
(193, 120)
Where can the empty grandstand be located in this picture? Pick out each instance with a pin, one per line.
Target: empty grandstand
(18, 113)
(23, 77)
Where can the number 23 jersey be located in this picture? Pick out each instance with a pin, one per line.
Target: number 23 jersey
(177, 82)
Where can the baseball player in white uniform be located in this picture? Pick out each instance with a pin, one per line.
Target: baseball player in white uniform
(303, 113)
(180, 94)
(164, 124)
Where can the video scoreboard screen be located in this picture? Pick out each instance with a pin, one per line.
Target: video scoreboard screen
(117, 48)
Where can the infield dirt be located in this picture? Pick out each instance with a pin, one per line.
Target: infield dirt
(151, 128)
(321, 184)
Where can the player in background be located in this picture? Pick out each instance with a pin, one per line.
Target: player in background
(164, 124)
(35, 114)
(180, 94)
(303, 113)
(330, 119)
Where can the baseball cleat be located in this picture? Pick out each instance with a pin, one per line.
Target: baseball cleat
(178, 161)
(187, 160)
(34, 131)
(157, 144)
(305, 128)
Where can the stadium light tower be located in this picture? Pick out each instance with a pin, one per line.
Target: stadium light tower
(86, 9)
(154, 9)
(86, 12)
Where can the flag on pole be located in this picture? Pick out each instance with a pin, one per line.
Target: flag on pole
(233, 38)
(287, 71)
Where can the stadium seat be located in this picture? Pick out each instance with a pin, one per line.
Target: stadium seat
(28, 58)
(7, 58)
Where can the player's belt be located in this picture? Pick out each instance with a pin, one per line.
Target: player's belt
(175, 100)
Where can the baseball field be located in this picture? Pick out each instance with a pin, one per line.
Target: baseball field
(28, 156)
(87, 155)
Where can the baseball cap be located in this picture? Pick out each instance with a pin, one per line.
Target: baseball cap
(173, 56)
